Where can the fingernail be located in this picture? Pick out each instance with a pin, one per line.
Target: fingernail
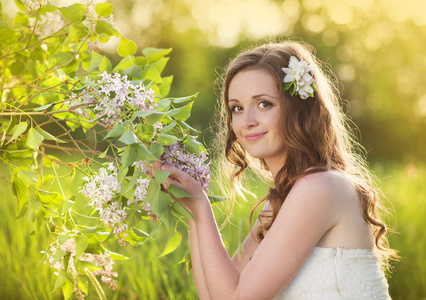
(163, 167)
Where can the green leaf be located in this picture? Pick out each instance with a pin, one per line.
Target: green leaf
(181, 113)
(177, 192)
(186, 127)
(73, 13)
(115, 131)
(165, 86)
(68, 289)
(126, 47)
(152, 74)
(63, 238)
(194, 146)
(144, 113)
(153, 191)
(105, 65)
(18, 130)
(181, 211)
(128, 137)
(154, 117)
(81, 244)
(124, 64)
(154, 54)
(103, 9)
(7, 35)
(77, 31)
(144, 153)
(215, 199)
(48, 136)
(60, 281)
(168, 127)
(81, 265)
(184, 99)
(105, 27)
(34, 139)
(133, 217)
(156, 149)
(95, 61)
(166, 139)
(287, 85)
(173, 242)
(167, 217)
(58, 255)
(140, 60)
(16, 68)
(161, 176)
(103, 154)
(67, 205)
(162, 202)
(145, 132)
(117, 256)
(20, 190)
(129, 156)
(50, 198)
(96, 284)
(83, 283)
(163, 105)
(34, 207)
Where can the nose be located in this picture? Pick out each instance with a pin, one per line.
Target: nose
(250, 120)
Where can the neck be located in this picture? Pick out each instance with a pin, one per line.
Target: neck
(275, 165)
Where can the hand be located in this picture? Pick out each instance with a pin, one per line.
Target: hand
(186, 183)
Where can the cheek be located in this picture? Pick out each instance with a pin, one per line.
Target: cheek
(235, 125)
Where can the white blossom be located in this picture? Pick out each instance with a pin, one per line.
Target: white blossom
(110, 95)
(102, 189)
(300, 73)
(102, 260)
(33, 5)
(47, 24)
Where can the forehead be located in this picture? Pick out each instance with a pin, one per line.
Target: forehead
(250, 83)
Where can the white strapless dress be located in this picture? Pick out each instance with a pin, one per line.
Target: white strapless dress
(331, 274)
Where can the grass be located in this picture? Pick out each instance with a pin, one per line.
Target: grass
(24, 276)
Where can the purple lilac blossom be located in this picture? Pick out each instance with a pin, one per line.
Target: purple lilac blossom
(110, 95)
(197, 166)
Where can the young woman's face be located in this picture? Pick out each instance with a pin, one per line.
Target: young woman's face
(255, 105)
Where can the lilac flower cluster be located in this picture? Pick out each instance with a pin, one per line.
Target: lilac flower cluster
(33, 5)
(153, 216)
(142, 188)
(176, 155)
(140, 192)
(102, 189)
(103, 260)
(47, 24)
(110, 95)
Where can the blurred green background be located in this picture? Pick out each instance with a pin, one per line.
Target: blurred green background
(376, 48)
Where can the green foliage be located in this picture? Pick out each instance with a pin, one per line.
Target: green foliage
(54, 119)
(145, 276)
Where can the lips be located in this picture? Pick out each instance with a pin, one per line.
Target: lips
(254, 136)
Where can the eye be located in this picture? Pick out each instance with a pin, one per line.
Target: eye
(265, 104)
(236, 109)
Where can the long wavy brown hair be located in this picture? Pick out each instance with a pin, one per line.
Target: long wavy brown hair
(315, 136)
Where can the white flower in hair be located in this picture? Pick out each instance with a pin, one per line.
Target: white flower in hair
(299, 78)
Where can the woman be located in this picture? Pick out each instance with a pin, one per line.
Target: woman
(319, 236)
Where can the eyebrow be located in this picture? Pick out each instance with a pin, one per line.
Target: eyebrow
(256, 97)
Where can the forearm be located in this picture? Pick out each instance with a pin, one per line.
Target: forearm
(221, 276)
(197, 270)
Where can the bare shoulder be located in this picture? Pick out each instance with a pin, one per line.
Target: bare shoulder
(331, 185)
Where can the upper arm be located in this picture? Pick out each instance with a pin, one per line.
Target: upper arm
(307, 213)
